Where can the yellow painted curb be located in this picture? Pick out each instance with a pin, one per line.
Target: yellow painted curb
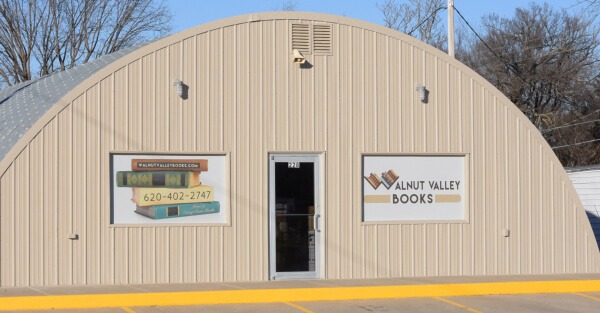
(293, 295)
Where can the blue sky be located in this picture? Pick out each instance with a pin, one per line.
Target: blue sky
(189, 13)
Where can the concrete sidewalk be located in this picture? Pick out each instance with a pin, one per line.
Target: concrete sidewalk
(71, 297)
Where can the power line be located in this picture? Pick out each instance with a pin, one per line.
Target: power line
(491, 50)
(569, 125)
(427, 18)
(575, 144)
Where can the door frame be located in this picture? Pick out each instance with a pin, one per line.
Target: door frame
(316, 159)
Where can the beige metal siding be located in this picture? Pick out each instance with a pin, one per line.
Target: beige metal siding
(247, 99)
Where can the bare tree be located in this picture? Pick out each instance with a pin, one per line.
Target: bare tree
(546, 62)
(418, 18)
(288, 5)
(38, 37)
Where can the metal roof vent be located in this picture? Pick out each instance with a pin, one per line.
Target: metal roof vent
(301, 37)
(322, 39)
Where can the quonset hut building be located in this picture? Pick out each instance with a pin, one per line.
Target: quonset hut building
(276, 146)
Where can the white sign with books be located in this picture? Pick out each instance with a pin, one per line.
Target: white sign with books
(150, 189)
(413, 188)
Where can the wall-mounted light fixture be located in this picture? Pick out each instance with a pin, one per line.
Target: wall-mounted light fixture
(423, 93)
(178, 87)
(298, 57)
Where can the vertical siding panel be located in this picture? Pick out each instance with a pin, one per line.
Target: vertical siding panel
(134, 257)
(202, 256)
(175, 103)
(420, 119)
(122, 262)
(7, 231)
(408, 248)
(267, 98)
(216, 262)
(430, 255)
(394, 95)
(419, 250)
(467, 126)
(490, 227)
(243, 149)
(229, 110)
(334, 136)
(148, 102)
(175, 254)
(343, 224)
(357, 246)
(320, 96)
(558, 194)
(294, 102)
(134, 105)
(189, 99)
(479, 182)
(94, 179)
(255, 155)
(65, 213)
(80, 180)
(432, 110)
(502, 253)
(525, 199)
(546, 214)
(203, 91)
(22, 218)
(216, 91)
(107, 139)
(148, 255)
(407, 99)
(282, 85)
(189, 254)
(442, 103)
(455, 110)
(163, 254)
(163, 92)
(36, 195)
(50, 206)
(307, 108)
(535, 219)
(513, 196)
(381, 93)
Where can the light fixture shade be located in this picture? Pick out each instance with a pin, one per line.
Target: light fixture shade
(178, 87)
(298, 57)
(422, 92)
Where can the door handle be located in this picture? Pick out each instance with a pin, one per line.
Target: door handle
(317, 217)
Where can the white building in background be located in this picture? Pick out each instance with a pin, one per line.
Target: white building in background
(586, 180)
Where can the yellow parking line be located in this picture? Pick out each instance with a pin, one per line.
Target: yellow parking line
(587, 296)
(128, 310)
(303, 309)
(457, 305)
(294, 295)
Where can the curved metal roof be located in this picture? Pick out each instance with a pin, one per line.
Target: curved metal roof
(23, 104)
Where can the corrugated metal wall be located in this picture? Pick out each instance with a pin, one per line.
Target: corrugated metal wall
(246, 98)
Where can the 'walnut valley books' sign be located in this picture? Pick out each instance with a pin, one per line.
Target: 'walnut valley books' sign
(149, 189)
(413, 188)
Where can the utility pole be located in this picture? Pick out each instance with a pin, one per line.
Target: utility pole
(451, 28)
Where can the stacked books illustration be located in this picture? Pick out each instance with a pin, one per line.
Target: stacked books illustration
(387, 179)
(169, 188)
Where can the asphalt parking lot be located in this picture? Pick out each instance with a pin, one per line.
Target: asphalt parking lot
(574, 302)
